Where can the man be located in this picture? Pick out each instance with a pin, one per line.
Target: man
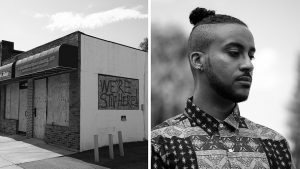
(211, 133)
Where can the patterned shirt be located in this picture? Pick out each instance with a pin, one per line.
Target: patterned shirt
(195, 139)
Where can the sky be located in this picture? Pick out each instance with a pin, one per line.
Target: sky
(32, 23)
(276, 30)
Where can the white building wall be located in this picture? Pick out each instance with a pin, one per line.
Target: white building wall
(146, 97)
(102, 57)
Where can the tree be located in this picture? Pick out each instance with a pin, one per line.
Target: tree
(295, 123)
(144, 45)
(171, 79)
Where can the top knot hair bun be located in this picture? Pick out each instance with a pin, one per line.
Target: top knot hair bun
(198, 14)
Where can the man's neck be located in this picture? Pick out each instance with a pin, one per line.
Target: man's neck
(212, 103)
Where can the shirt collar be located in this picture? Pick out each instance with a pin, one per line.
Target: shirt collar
(207, 122)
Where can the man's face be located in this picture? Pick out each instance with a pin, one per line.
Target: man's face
(228, 65)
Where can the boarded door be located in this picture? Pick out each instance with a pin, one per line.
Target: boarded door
(40, 95)
(58, 100)
(22, 110)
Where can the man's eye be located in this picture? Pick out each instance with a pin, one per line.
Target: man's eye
(234, 53)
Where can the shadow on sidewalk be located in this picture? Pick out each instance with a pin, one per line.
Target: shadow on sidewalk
(136, 156)
(35, 142)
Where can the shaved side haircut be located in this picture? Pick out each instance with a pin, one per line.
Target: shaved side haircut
(202, 33)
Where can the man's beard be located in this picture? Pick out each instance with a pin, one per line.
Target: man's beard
(226, 91)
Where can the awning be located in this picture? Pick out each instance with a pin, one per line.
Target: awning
(6, 72)
(54, 60)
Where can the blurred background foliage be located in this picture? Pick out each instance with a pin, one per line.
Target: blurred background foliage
(144, 44)
(171, 79)
(295, 120)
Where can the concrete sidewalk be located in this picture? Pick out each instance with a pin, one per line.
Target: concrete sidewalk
(17, 152)
(60, 163)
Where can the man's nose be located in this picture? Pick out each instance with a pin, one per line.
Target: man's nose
(246, 64)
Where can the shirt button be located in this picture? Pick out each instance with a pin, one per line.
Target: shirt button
(230, 150)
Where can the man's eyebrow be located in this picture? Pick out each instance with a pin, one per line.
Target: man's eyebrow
(240, 46)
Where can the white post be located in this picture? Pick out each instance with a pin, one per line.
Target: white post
(96, 148)
(111, 146)
(121, 143)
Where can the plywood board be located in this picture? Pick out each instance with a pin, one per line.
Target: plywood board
(2, 99)
(12, 101)
(22, 110)
(118, 93)
(40, 96)
(7, 102)
(58, 100)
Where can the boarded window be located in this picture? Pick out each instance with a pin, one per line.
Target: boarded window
(12, 101)
(118, 93)
(2, 101)
(58, 100)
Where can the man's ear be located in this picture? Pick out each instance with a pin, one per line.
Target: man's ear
(197, 60)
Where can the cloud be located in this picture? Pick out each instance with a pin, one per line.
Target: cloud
(69, 21)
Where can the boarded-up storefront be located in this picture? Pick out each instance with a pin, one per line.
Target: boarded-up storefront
(69, 89)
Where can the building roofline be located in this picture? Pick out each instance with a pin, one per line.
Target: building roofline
(79, 32)
(111, 42)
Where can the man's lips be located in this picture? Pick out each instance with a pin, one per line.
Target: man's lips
(245, 78)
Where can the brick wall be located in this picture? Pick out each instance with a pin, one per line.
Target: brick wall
(29, 112)
(7, 51)
(8, 126)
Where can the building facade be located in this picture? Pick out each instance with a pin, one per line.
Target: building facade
(72, 88)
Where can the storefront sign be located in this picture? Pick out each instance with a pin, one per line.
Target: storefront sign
(117, 93)
(39, 64)
(5, 72)
(63, 56)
